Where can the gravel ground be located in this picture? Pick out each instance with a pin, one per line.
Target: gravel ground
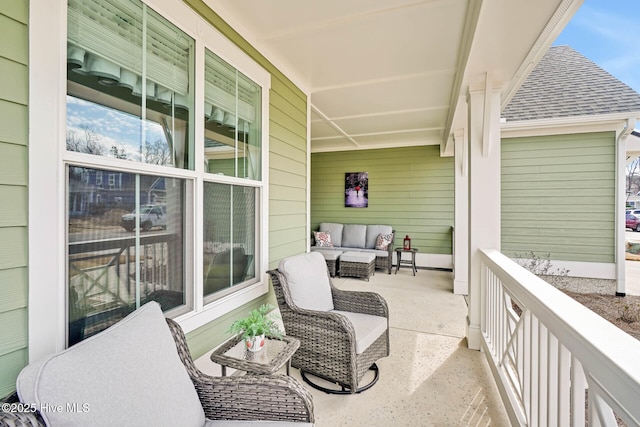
(624, 312)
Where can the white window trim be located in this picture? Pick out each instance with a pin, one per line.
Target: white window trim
(47, 192)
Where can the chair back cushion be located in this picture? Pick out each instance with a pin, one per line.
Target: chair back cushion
(373, 231)
(308, 281)
(128, 374)
(335, 230)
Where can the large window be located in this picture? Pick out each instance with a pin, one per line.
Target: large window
(138, 228)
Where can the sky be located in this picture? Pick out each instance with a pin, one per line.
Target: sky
(608, 33)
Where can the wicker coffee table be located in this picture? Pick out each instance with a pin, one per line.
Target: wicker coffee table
(357, 264)
(277, 352)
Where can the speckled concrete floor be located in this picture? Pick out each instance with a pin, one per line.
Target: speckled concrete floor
(431, 378)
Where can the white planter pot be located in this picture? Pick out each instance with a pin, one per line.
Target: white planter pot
(255, 343)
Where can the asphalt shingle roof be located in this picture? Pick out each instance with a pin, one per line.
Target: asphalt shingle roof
(567, 84)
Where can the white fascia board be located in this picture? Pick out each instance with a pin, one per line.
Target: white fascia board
(567, 125)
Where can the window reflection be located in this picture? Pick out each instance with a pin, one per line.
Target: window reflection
(129, 81)
(232, 122)
(125, 246)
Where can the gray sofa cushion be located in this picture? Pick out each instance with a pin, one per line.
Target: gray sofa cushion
(129, 373)
(372, 234)
(308, 281)
(367, 327)
(354, 236)
(335, 230)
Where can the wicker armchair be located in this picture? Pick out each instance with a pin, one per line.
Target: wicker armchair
(252, 398)
(329, 341)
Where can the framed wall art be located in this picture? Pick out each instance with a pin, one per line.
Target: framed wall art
(356, 189)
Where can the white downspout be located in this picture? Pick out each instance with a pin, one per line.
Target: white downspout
(621, 162)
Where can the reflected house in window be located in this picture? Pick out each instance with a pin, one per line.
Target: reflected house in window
(356, 190)
(88, 196)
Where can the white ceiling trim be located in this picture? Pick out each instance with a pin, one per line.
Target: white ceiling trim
(376, 146)
(385, 113)
(396, 78)
(333, 125)
(392, 132)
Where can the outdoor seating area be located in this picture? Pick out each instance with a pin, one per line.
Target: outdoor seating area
(165, 389)
(355, 250)
(429, 375)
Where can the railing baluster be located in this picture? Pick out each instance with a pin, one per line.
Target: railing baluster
(535, 369)
(564, 386)
(553, 357)
(526, 377)
(578, 385)
(543, 361)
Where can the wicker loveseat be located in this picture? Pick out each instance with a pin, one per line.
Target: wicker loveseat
(140, 372)
(359, 238)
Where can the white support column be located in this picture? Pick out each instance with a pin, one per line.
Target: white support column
(461, 216)
(484, 193)
(621, 197)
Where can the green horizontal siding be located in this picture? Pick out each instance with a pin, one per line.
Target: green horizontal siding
(411, 189)
(558, 196)
(14, 130)
(13, 292)
(287, 175)
(12, 364)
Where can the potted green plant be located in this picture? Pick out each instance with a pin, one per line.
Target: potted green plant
(256, 326)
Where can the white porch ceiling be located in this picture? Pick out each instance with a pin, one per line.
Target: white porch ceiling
(389, 73)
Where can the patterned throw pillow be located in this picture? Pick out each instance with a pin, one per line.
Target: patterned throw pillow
(383, 241)
(323, 239)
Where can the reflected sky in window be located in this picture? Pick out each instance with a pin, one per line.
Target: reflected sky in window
(95, 129)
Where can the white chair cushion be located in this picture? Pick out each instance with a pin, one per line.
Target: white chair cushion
(128, 374)
(367, 327)
(308, 281)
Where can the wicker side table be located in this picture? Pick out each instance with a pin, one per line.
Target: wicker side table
(277, 352)
(411, 262)
(357, 264)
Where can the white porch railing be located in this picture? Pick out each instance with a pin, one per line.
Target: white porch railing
(546, 358)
